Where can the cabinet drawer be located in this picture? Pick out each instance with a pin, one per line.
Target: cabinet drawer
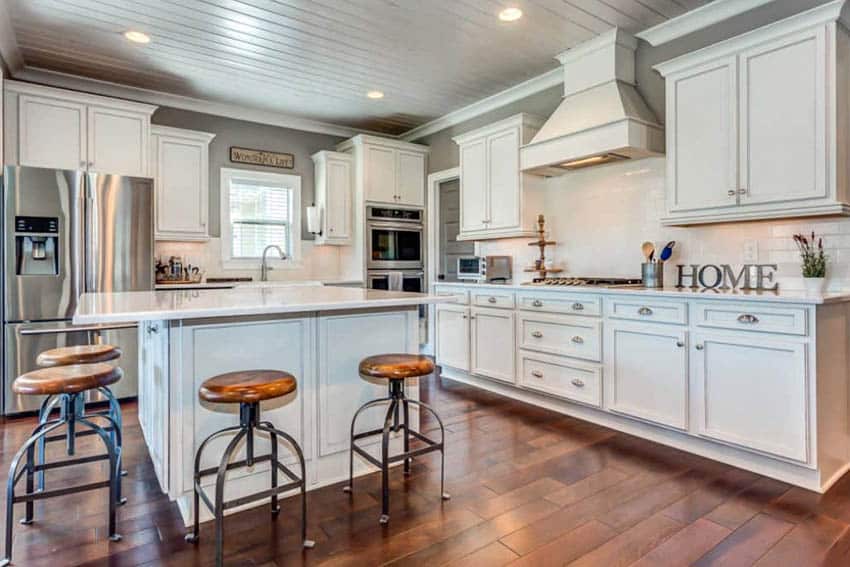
(560, 334)
(648, 309)
(488, 298)
(752, 317)
(460, 294)
(572, 303)
(561, 377)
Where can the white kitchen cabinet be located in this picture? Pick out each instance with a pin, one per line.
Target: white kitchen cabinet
(154, 395)
(388, 171)
(452, 348)
(497, 199)
(334, 178)
(746, 143)
(648, 372)
(180, 168)
(58, 128)
(493, 343)
(753, 392)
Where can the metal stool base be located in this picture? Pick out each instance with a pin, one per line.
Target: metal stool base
(397, 401)
(249, 423)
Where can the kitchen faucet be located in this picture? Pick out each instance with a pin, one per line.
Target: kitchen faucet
(264, 267)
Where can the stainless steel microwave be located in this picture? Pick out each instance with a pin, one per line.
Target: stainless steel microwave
(485, 268)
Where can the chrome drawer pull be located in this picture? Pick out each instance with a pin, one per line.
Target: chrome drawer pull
(644, 311)
(578, 307)
(537, 303)
(577, 340)
(748, 319)
(699, 347)
(537, 374)
(578, 383)
(492, 300)
(537, 335)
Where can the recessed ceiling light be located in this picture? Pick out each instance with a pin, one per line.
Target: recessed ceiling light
(137, 36)
(510, 14)
(375, 94)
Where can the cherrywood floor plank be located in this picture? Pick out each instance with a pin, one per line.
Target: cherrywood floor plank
(806, 544)
(747, 544)
(494, 555)
(629, 546)
(569, 546)
(686, 546)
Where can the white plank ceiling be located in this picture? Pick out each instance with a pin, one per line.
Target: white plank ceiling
(317, 59)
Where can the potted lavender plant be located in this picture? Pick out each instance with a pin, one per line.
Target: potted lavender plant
(813, 262)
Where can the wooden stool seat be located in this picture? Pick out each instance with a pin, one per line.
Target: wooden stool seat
(66, 379)
(396, 366)
(82, 354)
(247, 386)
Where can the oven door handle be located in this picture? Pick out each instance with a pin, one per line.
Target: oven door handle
(411, 227)
(78, 329)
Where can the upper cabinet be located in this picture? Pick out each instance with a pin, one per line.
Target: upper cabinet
(334, 178)
(753, 128)
(497, 200)
(180, 168)
(57, 128)
(388, 171)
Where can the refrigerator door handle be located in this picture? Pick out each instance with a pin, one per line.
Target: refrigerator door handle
(91, 234)
(79, 328)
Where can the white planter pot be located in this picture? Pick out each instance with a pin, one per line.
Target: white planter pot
(815, 286)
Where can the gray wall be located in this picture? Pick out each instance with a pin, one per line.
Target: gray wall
(444, 152)
(230, 132)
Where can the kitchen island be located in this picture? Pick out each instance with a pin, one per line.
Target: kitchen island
(318, 334)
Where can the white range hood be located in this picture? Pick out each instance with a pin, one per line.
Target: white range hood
(602, 117)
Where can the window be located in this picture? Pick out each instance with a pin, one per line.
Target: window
(259, 208)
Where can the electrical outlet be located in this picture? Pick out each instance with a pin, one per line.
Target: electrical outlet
(751, 251)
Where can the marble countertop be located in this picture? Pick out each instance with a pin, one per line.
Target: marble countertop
(94, 308)
(781, 296)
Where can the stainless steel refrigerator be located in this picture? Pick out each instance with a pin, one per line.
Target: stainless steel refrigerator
(66, 233)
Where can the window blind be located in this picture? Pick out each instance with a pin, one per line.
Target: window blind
(260, 214)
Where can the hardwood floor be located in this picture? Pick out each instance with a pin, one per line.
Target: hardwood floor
(530, 487)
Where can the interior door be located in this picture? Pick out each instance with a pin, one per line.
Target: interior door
(503, 180)
(473, 186)
(117, 141)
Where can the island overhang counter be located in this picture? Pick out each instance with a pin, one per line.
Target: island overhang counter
(318, 334)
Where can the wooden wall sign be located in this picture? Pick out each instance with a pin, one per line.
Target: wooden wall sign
(710, 276)
(262, 157)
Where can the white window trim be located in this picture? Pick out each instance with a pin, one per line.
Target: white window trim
(293, 181)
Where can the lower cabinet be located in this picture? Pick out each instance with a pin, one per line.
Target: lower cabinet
(648, 372)
(753, 392)
(561, 377)
(154, 401)
(452, 348)
(493, 343)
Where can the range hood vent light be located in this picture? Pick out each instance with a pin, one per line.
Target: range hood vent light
(591, 161)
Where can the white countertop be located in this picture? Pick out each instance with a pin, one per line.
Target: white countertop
(781, 296)
(129, 306)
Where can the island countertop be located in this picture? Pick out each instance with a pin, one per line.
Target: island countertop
(160, 305)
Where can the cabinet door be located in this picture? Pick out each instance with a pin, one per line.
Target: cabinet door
(753, 392)
(338, 201)
(783, 122)
(380, 173)
(181, 189)
(452, 347)
(411, 178)
(493, 343)
(702, 148)
(118, 141)
(51, 133)
(503, 180)
(648, 368)
(473, 186)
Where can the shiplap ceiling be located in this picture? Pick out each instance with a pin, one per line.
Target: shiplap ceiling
(317, 59)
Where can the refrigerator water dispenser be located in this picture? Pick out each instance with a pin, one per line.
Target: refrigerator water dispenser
(37, 246)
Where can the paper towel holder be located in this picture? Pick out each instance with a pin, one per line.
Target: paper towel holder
(314, 220)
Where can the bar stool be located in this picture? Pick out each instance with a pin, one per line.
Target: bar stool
(396, 368)
(64, 356)
(70, 383)
(247, 388)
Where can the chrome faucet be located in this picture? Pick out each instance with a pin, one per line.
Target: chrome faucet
(264, 267)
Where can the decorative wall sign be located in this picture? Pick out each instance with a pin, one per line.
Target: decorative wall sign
(710, 276)
(262, 157)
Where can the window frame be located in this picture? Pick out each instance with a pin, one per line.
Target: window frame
(293, 182)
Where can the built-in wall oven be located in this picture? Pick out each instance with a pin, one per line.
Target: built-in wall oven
(395, 239)
(396, 280)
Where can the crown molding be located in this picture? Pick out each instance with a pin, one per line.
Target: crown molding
(527, 88)
(67, 81)
(697, 19)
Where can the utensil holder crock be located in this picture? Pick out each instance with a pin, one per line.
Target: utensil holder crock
(652, 274)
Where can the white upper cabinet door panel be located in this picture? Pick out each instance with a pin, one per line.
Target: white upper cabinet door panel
(338, 206)
(181, 197)
(52, 133)
(380, 174)
(702, 137)
(473, 186)
(783, 120)
(503, 179)
(118, 141)
(411, 178)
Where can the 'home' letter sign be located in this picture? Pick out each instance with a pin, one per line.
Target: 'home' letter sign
(711, 276)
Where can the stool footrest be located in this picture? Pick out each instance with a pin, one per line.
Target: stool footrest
(268, 493)
(431, 446)
(244, 463)
(69, 462)
(60, 491)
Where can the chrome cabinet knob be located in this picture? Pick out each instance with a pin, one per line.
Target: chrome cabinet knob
(577, 382)
(537, 335)
(537, 374)
(577, 340)
(748, 319)
(644, 311)
(578, 307)
(742, 191)
(491, 299)
(680, 344)
(699, 347)
(537, 303)
(732, 192)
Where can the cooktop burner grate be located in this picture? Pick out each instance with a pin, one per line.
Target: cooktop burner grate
(587, 281)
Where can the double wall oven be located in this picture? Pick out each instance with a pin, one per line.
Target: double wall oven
(395, 248)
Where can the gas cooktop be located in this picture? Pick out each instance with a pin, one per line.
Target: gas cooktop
(592, 282)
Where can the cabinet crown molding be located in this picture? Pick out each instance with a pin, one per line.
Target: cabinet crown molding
(172, 132)
(361, 139)
(325, 154)
(521, 119)
(19, 87)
